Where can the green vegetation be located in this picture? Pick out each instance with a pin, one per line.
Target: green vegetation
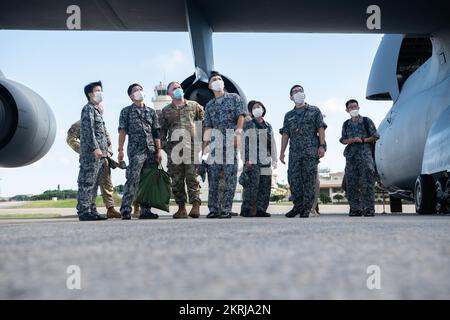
(338, 197)
(119, 189)
(65, 203)
(324, 198)
(284, 203)
(28, 216)
(282, 186)
(277, 197)
(48, 195)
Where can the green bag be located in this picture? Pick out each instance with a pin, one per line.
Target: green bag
(154, 188)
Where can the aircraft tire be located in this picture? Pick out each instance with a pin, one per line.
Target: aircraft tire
(425, 194)
(441, 196)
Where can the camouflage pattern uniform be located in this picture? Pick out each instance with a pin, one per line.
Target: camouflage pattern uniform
(92, 136)
(106, 186)
(141, 125)
(256, 197)
(359, 168)
(182, 118)
(221, 114)
(302, 127)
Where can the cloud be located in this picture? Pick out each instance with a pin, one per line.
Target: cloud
(168, 62)
(332, 106)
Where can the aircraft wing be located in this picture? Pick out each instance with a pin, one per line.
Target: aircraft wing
(326, 16)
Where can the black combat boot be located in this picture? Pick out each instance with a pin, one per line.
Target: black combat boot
(126, 213)
(355, 213)
(91, 217)
(213, 215)
(304, 214)
(146, 213)
(292, 214)
(262, 214)
(225, 215)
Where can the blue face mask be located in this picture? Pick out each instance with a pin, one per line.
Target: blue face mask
(178, 93)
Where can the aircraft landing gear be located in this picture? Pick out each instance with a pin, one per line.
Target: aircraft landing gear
(442, 195)
(425, 194)
(395, 204)
(447, 202)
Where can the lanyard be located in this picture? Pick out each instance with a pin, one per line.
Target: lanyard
(302, 117)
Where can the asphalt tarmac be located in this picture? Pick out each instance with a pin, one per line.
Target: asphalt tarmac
(333, 256)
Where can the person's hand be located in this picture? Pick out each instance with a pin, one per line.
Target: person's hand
(237, 141)
(158, 156)
(354, 140)
(205, 151)
(321, 152)
(274, 165)
(98, 154)
(120, 156)
(282, 158)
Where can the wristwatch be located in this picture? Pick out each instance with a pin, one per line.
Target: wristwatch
(324, 146)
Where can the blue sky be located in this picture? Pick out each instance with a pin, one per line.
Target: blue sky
(331, 67)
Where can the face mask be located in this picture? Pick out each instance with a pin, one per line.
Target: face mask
(139, 95)
(299, 97)
(354, 113)
(178, 93)
(98, 96)
(257, 112)
(217, 85)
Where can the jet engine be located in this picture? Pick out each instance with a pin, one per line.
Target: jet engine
(27, 125)
(197, 90)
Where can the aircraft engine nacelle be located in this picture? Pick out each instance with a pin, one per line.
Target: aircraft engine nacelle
(197, 90)
(27, 125)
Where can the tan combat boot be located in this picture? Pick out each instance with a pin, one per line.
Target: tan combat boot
(195, 211)
(136, 210)
(113, 214)
(181, 213)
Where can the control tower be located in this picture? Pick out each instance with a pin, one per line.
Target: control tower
(161, 99)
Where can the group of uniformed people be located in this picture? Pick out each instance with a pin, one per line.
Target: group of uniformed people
(225, 128)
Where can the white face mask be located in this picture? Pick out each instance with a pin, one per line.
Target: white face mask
(217, 85)
(139, 95)
(299, 97)
(354, 113)
(98, 96)
(257, 112)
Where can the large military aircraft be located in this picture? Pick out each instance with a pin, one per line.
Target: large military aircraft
(411, 68)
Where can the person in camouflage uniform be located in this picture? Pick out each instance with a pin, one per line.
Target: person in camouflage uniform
(224, 120)
(106, 185)
(185, 116)
(304, 129)
(93, 152)
(259, 155)
(141, 125)
(359, 134)
(315, 207)
(221, 193)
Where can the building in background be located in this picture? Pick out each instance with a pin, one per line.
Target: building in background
(161, 99)
(331, 183)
